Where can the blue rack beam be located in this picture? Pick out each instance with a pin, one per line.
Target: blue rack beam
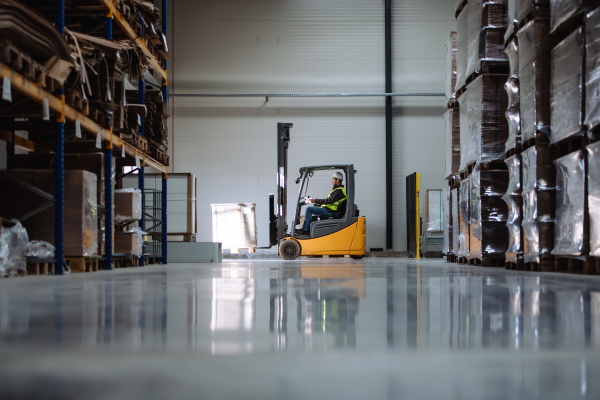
(142, 100)
(59, 162)
(108, 186)
(165, 96)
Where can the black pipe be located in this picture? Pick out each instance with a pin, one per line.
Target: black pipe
(388, 125)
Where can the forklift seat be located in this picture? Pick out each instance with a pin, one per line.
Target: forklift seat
(339, 214)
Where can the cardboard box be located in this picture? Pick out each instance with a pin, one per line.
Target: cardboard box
(128, 205)
(128, 243)
(80, 224)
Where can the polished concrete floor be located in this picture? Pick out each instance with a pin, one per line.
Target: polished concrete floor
(314, 328)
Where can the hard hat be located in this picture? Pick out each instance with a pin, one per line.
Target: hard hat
(338, 175)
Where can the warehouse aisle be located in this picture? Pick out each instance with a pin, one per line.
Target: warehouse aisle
(268, 329)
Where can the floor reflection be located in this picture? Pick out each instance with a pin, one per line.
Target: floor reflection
(250, 307)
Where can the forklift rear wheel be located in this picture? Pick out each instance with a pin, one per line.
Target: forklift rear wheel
(358, 257)
(289, 249)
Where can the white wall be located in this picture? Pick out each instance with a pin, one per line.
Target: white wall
(291, 46)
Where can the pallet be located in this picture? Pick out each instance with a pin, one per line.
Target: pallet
(546, 264)
(495, 165)
(453, 104)
(235, 250)
(569, 26)
(39, 268)
(76, 101)
(31, 70)
(187, 237)
(134, 139)
(518, 266)
(151, 260)
(540, 139)
(159, 155)
(82, 264)
(454, 181)
(571, 144)
(489, 261)
(489, 68)
(513, 152)
(460, 8)
(126, 261)
(452, 258)
(463, 261)
(586, 265)
(539, 12)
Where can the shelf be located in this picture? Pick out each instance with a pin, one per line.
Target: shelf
(36, 93)
(108, 4)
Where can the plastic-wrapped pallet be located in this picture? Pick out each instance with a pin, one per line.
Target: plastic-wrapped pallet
(593, 151)
(512, 87)
(561, 11)
(570, 202)
(534, 76)
(488, 213)
(484, 130)
(128, 205)
(514, 201)
(592, 70)
(488, 21)
(462, 42)
(446, 206)
(455, 221)
(452, 117)
(539, 198)
(567, 87)
(451, 68)
(463, 222)
(524, 7)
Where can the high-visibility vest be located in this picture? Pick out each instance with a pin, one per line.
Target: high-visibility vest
(334, 206)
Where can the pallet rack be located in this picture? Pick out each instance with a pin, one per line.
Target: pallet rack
(56, 102)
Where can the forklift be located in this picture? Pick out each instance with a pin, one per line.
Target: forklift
(342, 234)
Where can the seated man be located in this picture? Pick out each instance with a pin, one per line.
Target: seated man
(327, 206)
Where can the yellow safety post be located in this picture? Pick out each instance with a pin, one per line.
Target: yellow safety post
(418, 257)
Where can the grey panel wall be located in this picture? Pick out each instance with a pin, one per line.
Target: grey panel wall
(278, 46)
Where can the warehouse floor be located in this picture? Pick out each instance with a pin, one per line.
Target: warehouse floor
(315, 328)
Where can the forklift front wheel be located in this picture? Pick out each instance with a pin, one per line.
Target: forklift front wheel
(289, 249)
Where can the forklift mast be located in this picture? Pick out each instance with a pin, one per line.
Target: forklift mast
(278, 223)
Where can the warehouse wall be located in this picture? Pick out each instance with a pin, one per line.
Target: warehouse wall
(289, 46)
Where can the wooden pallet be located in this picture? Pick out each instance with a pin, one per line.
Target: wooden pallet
(515, 266)
(126, 261)
(454, 181)
(488, 68)
(571, 144)
(513, 152)
(152, 260)
(76, 101)
(235, 250)
(452, 258)
(577, 265)
(539, 139)
(540, 12)
(133, 138)
(31, 70)
(489, 260)
(159, 155)
(546, 264)
(82, 264)
(494, 165)
(40, 268)
(463, 261)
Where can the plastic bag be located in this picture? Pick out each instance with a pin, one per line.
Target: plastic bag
(13, 245)
(40, 249)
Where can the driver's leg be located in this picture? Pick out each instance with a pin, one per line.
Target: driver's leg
(310, 211)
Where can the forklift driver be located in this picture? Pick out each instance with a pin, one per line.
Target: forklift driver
(327, 207)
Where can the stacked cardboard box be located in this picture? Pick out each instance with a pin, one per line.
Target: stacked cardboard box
(462, 42)
(80, 224)
(539, 192)
(463, 219)
(512, 198)
(488, 20)
(488, 214)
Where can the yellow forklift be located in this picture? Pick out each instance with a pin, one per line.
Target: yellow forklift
(342, 234)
